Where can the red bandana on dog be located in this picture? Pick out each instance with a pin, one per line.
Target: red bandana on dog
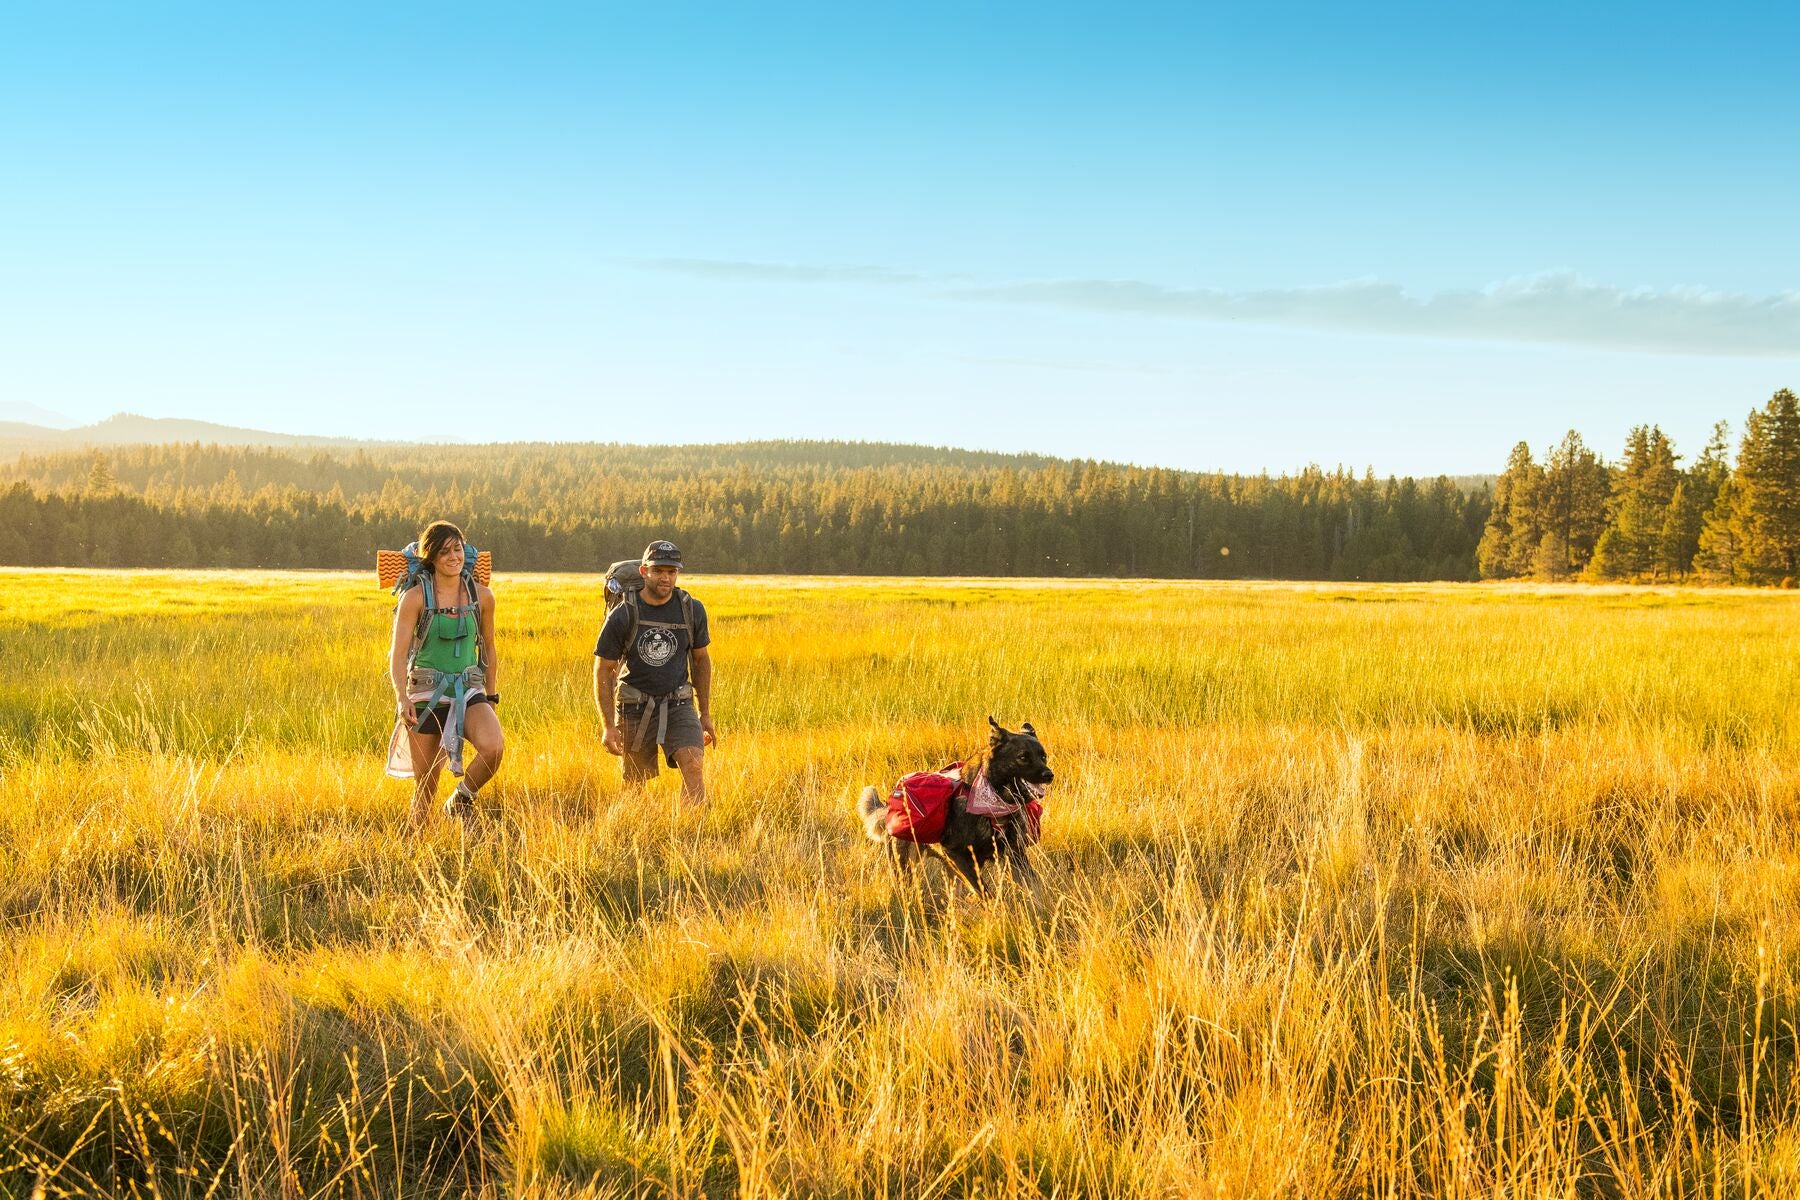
(985, 801)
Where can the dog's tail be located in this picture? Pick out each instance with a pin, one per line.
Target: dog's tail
(872, 809)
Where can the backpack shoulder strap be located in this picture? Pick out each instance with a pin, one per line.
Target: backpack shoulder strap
(631, 623)
(428, 593)
(472, 598)
(687, 619)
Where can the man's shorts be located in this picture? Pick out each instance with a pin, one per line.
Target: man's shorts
(683, 731)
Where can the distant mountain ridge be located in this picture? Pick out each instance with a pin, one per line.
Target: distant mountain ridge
(23, 412)
(129, 429)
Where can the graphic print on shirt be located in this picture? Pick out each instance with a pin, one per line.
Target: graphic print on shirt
(656, 646)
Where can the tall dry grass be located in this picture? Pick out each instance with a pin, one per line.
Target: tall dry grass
(1370, 892)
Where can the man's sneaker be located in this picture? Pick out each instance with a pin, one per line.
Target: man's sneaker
(461, 805)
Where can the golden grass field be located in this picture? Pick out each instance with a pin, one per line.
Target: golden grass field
(1359, 891)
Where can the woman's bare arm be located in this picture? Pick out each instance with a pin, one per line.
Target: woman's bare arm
(490, 652)
(406, 620)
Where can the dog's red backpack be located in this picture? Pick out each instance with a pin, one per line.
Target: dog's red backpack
(920, 804)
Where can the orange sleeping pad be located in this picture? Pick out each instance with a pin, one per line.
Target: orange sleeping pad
(390, 565)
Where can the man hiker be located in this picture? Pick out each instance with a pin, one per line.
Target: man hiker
(657, 708)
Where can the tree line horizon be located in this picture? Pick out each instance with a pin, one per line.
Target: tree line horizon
(880, 509)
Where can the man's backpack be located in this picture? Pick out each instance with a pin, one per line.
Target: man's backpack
(625, 585)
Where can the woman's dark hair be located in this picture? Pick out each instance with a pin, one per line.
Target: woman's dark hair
(431, 542)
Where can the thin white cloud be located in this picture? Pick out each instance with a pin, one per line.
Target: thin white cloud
(1555, 307)
(758, 272)
(1083, 366)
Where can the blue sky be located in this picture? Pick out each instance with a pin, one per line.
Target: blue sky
(1239, 237)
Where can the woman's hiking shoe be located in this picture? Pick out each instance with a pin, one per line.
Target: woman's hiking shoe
(460, 806)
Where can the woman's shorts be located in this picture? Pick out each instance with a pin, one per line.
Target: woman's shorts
(431, 724)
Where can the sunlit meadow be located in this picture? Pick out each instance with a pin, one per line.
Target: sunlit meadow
(1353, 891)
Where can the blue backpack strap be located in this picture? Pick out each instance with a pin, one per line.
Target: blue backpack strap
(429, 592)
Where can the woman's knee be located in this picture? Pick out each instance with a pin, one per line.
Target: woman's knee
(491, 746)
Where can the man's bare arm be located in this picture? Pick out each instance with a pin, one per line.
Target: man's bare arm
(606, 682)
(606, 679)
(702, 671)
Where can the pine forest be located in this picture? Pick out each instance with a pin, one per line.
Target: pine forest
(878, 509)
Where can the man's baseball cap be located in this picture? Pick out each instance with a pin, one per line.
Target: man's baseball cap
(662, 554)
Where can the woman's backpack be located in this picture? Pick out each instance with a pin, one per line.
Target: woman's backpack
(401, 570)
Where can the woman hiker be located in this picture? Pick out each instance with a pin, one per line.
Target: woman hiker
(444, 669)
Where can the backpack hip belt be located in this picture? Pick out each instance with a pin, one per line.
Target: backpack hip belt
(631, 695)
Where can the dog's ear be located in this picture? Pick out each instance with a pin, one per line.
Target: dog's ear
(1026, 728)
(999, 733)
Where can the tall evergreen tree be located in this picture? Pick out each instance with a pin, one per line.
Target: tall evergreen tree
(1679, 540)
(1638, 508)
(1509, 542)
(100, 479)
(1714, 551)
(1573, 507)
(1720, 558)
(1712, 468)
(1753, 532)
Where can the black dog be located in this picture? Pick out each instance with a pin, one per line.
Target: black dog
(998, 784)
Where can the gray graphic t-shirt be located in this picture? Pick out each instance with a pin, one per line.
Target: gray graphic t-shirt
(657, 662)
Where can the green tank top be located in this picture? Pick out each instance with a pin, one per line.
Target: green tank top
(449, 643)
